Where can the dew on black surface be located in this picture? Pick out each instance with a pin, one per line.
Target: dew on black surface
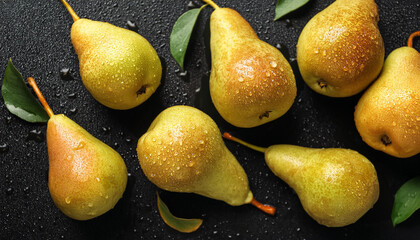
(288, 23)
(9, 191)
(4, 148)
(8, 119)
(73, 110)
(72, 95)
(65, 74)
(184, 75)
(132, 26)
(283, 49)
(106, 129)
(35, 135)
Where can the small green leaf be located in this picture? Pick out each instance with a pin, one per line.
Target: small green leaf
(407, 201)
(179, 224)
(284, 7)
(18, 99)
(181, 34)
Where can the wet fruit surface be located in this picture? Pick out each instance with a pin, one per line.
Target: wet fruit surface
(35, 34)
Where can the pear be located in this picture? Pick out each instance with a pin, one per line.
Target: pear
(86, 177)
(335, 186)
(118, 66)
(183, 151)
(388, 114)
(251, 83)
(340, 50)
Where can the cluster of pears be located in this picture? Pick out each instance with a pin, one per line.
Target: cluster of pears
(340, 51)
(251, 83)
(340, 58)
(118, 66)
(335, 186)
(388, 114)
(183, 151)
(86, 177)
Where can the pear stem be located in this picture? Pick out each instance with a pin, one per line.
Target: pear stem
(71, 11)
(265, 208)
(232, 138)
(412, 36)
(211, 3)
(41, 98)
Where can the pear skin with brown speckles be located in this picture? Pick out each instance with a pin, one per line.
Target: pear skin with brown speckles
(340, 50)
(86, 177)
(251, 83)
(183, 151)
(335, 186)
(388, 114)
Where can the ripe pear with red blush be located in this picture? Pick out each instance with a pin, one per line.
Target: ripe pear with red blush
(86, 177)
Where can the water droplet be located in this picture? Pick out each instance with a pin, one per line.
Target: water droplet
(394, 124)
(324, 52)
(9, 191)
(67, 200)
(72, 95)
(132, 26)
(36, 136)
(65, 74)
(273, 64)
(4, 148)
(80, 146)
(316, 51)
(241, 79)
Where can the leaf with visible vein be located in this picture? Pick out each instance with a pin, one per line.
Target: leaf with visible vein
(18, 99)
(407, 201)
(181, 34)
(180, 224)
(284, 7)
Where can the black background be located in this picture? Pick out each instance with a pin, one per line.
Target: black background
(36, 35)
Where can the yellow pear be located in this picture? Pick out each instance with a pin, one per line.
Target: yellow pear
(251, 83)
(86, 177)
(388, 114)
(335, 186)
(340, 50)
(183, 151)
(118, 66)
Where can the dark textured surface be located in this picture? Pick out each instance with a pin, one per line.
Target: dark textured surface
(35, 34)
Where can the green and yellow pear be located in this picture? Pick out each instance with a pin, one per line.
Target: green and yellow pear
(251, 83)
(118, 66)
(183, 151)
(335, 186)
(86, 177)
(340, 50)
(388, 114)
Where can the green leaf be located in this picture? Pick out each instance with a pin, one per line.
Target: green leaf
(179, 224)
(18, 99)
(284, 7)
(181, 34)
(407, 201)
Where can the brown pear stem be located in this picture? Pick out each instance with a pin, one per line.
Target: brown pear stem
(265, 208)
(232, 138)
(412, 36)
(71, 11)
(41, 98)
(211, 3)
